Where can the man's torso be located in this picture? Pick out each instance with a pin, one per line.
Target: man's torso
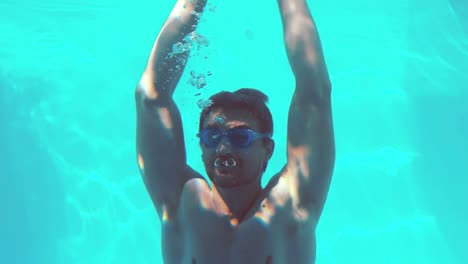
(274, 231)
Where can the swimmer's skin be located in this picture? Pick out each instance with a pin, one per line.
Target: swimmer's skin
(244, 224)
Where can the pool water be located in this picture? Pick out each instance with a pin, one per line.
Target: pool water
(71, 190)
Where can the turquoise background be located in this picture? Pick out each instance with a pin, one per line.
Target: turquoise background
(70, 186)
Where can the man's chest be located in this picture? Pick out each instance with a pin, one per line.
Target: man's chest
(270, 231)
(209, 225)
(213, 238)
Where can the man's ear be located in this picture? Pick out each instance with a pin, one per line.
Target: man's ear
(270, 147)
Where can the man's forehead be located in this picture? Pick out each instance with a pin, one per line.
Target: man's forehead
(229, 118)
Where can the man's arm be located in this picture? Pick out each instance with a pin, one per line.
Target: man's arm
(160, 143)
(311, 146)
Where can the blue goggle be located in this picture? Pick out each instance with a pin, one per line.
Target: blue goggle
(239, 137)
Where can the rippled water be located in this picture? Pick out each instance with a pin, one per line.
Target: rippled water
(71, 189)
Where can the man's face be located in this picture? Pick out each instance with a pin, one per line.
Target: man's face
(228, 165)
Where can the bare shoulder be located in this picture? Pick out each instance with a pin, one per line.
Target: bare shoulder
(195, 191)
(281, 196)
(276, 190)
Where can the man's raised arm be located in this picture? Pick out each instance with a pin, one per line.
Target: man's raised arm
(311, 147)
(160, 142)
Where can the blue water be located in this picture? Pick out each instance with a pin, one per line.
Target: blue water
(70, 188)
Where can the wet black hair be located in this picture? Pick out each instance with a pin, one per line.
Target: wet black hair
(249, 99)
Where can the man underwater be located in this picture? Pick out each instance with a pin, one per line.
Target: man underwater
(236, 221)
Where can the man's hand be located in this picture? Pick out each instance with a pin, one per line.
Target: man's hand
(188, 10)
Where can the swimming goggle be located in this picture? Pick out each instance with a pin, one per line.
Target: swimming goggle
(239, 137)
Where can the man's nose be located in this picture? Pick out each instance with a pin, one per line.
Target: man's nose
(224, 146)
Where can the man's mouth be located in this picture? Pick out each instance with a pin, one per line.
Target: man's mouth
(225, 162)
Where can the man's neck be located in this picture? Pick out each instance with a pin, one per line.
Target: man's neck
(238, 201)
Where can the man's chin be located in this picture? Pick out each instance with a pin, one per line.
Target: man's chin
(224, 170)
(224, 175)
(225, 178)
(223, 183)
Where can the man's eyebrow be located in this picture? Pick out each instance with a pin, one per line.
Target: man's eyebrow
(212, 126)
(243, 126)
(217, 126)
